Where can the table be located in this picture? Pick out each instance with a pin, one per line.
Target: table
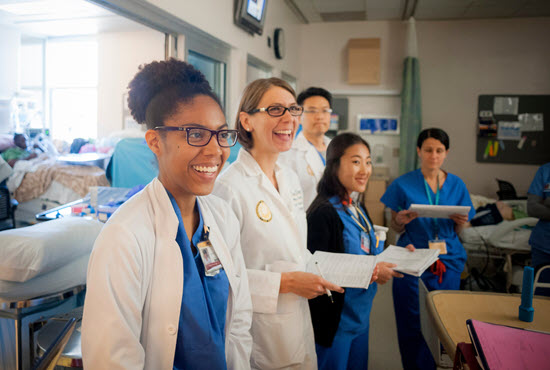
(449, 311)
(85, 159)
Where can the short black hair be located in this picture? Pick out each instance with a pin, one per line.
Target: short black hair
(314, 91)
(159, 87)
(435, 133)
(17, 135)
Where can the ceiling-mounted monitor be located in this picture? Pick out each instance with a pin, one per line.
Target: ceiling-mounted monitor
(250, 15)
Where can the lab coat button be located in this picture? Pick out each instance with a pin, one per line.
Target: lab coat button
(172, 329)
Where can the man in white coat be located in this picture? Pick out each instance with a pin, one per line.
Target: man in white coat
(308, 152)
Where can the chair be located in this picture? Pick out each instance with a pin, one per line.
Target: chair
(506, 191)
(538, 283)
(132, 163)
(7, 207)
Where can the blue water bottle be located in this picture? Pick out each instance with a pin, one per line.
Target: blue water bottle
(526, 310)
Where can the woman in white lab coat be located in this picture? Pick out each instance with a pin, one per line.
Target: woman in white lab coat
(267, 200)
(154, 300)
(307, 157)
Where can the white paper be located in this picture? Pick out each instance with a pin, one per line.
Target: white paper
(426, 210)
(343, 269)
(531, 122)
(412, 263)
(506, 105)
(509, 131)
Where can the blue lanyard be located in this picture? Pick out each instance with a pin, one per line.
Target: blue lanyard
(435, 224)
(367, 229)
(318, 152)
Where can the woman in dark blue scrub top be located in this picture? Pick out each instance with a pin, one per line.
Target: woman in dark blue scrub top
(338, 224)
(427, 185)
(538, 205)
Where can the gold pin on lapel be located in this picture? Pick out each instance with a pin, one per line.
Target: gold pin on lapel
(309, 170)
(263, 212)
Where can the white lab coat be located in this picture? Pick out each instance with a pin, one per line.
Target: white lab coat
(281, 327)
(304, 159)
(135, 284)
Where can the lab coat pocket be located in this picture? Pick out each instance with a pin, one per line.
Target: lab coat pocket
(278, 338)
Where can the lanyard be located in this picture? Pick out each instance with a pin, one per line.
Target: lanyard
(428, 191)
(357, 221)
(318, 152)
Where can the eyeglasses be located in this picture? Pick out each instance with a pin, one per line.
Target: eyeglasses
(315, 111)
(279, 110)
(198, 136)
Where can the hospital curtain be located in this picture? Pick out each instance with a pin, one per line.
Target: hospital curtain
(411, 113)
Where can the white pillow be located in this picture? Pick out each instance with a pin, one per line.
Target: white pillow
(35, 250)
(65, 277)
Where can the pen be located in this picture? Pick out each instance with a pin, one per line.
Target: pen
(321, 274)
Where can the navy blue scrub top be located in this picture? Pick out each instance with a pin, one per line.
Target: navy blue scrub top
(201, 338)
(357, 302)
(541, 233)
(410, 189)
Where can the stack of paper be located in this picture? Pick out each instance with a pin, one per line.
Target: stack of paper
(504, 347)
(343, 269)
(431, 211)
(412, 263)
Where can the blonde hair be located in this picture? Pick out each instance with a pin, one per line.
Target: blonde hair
(252, 95)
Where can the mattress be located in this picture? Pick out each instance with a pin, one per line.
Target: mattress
(65, 277)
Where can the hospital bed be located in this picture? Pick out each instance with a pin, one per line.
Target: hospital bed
(42, 274)
(501, 241)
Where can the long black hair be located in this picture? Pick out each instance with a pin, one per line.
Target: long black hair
(330, 185)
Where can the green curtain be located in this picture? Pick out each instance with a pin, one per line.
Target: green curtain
(411, 115)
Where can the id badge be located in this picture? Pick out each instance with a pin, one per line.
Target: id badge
(365, 242)
(438, 244)
(212, 264)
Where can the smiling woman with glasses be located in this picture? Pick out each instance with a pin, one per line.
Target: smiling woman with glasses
(267, 200)
(198, 136)
(167, 286)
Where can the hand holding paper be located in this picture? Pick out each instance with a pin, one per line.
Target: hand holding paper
(343, 269)
(407, 261)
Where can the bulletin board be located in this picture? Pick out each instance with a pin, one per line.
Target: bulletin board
(513, 129)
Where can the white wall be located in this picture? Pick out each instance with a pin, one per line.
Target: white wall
(9, 72)
(462, 59)
(9, 62)
(215, 17)
(119, 56)
(458, 61)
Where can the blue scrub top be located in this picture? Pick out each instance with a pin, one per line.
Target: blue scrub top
(357, 302)
(541, 233)
(410, 189)
(201, 337)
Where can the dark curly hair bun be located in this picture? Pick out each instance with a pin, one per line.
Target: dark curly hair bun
(158, 88)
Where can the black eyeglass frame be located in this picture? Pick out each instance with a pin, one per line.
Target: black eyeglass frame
(212, 133)
(278, 106)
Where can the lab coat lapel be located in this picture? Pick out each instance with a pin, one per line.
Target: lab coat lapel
(312, 156)
(276, 197)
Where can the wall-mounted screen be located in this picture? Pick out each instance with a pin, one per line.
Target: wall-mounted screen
(250, 15)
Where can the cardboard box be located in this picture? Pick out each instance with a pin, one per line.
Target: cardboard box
(375, 189)
(364, 61)
(376, 212)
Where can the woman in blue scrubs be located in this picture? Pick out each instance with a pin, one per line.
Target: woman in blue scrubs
(538, 205)
(338, 224)
(427, 185)
(167, 287)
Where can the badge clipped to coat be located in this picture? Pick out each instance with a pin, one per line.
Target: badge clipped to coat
(210, 260)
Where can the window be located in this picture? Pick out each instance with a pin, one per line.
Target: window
(291, 80)
(213, 70)
(71, 74)
(256, 69)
